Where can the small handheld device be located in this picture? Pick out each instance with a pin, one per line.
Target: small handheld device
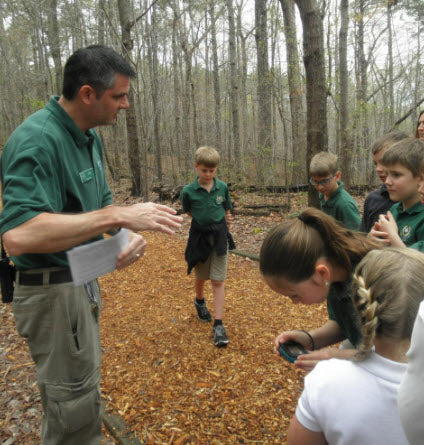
(291, 350)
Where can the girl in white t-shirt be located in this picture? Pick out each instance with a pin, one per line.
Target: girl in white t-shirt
(352, 402)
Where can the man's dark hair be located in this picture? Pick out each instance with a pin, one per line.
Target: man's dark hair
(95, 65)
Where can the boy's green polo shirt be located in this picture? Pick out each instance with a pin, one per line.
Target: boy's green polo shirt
(342, 207)
(49, 165)
(410, 224)
(206, 207)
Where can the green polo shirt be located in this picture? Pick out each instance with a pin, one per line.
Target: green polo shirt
(341, 309)
(410, 224)
(342, 207)
(206, 207)
(49, 165)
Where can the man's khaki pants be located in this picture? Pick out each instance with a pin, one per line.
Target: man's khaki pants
(62, 329)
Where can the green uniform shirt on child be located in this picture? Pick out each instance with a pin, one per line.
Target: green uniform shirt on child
(410, 224)
(341, 206)
(206, 207)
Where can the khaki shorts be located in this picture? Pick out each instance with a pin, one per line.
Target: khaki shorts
(215, 267)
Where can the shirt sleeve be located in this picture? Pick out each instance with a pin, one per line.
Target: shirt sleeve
(228, 205)
(419, 236)
(30, 187)
(304, 411)
(185, 200)
(349, 214)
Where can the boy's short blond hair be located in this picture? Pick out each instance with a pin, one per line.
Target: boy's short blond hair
(409, 152)
(387, 140)
(207, 156)
(323, 164)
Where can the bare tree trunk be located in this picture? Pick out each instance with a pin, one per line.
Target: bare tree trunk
(234, 94)
(127, 22)
(216, 87)
(346, 146)
(295, 90)
(390, 49)
(264, 148)
(54, 42)
(316, 92)
(154, 81)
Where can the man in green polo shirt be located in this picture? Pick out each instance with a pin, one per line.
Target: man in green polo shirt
(55, 197)
(334, 199)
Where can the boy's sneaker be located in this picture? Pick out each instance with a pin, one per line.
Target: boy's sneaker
(202, 311)
(220, 336)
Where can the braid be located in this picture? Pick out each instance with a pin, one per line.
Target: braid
(368, 309)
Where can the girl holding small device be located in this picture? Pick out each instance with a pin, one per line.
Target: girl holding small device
(311, 259)
(355, 401)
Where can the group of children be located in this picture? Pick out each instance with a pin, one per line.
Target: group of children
(372, 284)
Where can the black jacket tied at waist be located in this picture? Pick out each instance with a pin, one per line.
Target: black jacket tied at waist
(199, 247)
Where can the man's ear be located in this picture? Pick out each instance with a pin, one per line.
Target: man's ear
(338, 175)
(87, 94)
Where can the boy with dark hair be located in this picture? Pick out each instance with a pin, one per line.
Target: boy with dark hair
(334, 200)
(378, 201)
(403, 225)
(207, 200)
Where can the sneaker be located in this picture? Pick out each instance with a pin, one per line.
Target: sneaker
(202, 311)
(220, 336)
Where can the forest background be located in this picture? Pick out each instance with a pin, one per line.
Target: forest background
(228, 73)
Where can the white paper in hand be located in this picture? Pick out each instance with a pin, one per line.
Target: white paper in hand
(93, 260)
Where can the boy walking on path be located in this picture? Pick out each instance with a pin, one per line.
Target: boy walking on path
(207, 200)
(403, 225)
(378, 201)
(334, 200)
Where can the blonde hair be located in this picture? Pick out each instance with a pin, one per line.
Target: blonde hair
(291, 249)
(207, 156)
(387, 140)
(409, 152)
(323, 164)
(388, 286)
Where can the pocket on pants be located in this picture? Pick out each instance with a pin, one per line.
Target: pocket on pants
(34, 320)
(75, 405)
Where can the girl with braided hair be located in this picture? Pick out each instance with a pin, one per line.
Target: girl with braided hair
(311, 259)
(353, 402)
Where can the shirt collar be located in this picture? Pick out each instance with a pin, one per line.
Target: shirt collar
(416, 208)
(197, 186)
(329, 201)
(81, 139)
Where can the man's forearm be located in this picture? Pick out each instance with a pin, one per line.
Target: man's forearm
(55, 232)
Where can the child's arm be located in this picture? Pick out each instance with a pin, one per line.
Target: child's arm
(299, 435)
(387, 224)
(229, 219)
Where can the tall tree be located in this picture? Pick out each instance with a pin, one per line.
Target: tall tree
(346, 146)
(316, 92)
(126, 18)
(54, 42)
(264, 148)
(234, 93)
(295, 90)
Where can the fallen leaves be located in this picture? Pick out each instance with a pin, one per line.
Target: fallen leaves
(162, 370)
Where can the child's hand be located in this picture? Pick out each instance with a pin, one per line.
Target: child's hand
(308, 361)
(296, 336)
(387, 224)
(379, 235)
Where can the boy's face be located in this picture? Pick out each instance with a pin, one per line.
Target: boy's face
(421, 186)
(206, 174)
(379, 167)
(326, 185)
(402, 185)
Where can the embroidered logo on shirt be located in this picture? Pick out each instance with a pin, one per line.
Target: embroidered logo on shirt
(86, 175)
(405, 232)
(219, 199)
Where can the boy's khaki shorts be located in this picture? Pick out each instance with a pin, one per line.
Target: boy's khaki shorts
(215, 267)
